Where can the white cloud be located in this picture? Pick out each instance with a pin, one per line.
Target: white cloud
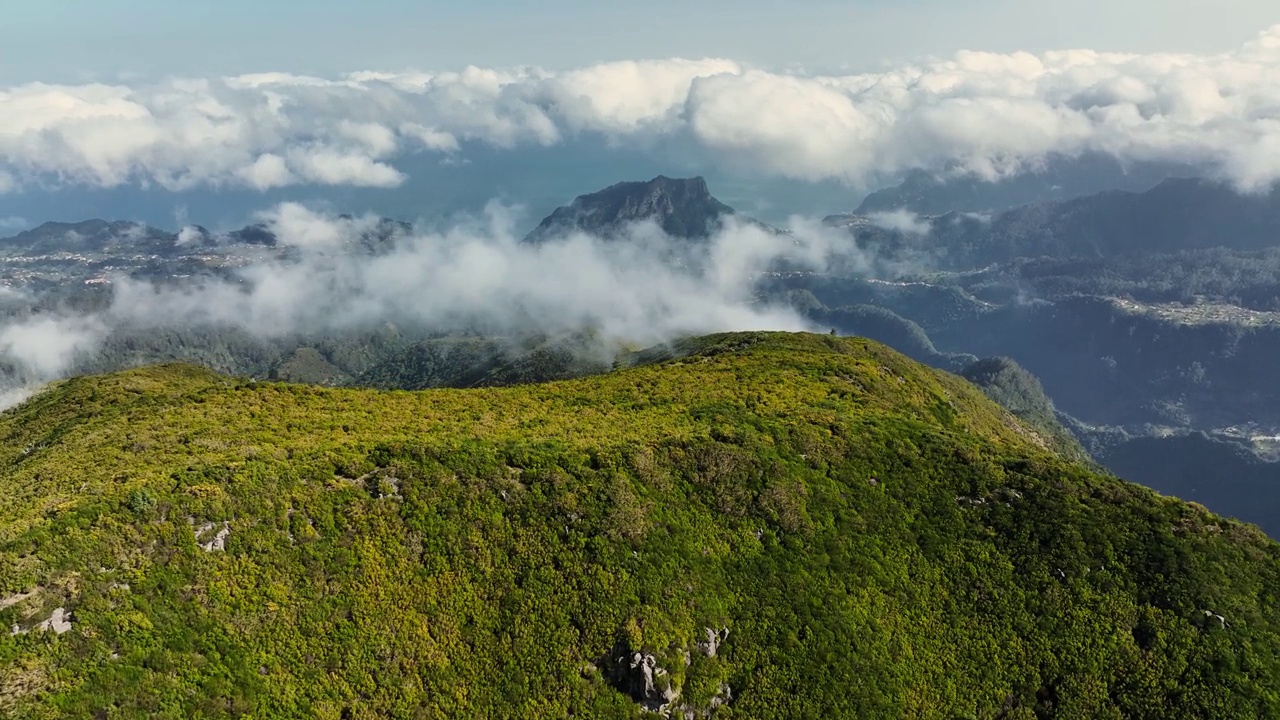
(988, 113)
(621, 97)
(903, 221)
(47, 345)
(12, 397)
(377, 140)
(326, 167)
(188, 235)
(478, 274)
(267, 172)
(430, 138)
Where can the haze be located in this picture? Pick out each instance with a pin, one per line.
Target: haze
(102, 39)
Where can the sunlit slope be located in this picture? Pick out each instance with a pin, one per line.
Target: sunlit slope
(863, 537)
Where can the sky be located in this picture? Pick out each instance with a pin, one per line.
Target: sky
(173, 112)
(77, 40)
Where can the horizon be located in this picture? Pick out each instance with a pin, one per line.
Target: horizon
(110, 40)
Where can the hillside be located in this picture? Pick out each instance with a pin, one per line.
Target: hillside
(1061, 178)
(464, 362)
(746, 525)
(1177, 215)
(1018, 391)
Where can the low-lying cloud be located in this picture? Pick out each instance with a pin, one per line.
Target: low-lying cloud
(45, 346)
(983, 113)
(645, 287)
(477, 276)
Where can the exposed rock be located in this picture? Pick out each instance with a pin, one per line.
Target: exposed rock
(682, 207)
(713, 641)
(643, 685)
(1222, 621)
(218, 542)
(639, 675)
(59, 622)
(723, 697)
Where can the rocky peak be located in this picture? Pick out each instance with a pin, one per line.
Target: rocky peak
(682, 207)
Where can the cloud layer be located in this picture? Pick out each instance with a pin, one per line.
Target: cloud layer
(646, 289)
(990, 114)
(475, 276)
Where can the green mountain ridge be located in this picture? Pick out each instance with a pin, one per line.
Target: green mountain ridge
(746, 525)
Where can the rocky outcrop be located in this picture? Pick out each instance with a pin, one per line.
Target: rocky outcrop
(59, 622)
(650, 685)
(218, 541)
(713, 641)
(655, 688)
(682, 207)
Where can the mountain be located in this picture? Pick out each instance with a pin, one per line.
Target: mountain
(103, 238)
(683, 208)
(89, 236)
(1018, 391)
(745, 525)
(1061, 178)
(1177, 215)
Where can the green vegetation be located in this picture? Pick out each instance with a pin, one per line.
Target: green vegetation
(884, 325)
(1018, 391)
(878, 539)
(308, 366)
(464, 362)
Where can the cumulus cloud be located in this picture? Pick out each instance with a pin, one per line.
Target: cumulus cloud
(989, 114)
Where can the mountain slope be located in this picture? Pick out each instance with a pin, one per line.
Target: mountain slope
(1018, 391)
(748, 525)
(464, 362)
(1176, 215)
(1061, 178)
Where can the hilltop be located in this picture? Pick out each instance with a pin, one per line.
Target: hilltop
(744, 525)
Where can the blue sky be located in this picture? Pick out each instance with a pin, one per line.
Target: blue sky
(77, 40)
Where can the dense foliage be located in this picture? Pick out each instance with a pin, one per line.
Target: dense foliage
(879, 540)
(1019, 392)
(1191, 465)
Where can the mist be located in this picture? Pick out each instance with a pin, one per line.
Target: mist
(474, 276)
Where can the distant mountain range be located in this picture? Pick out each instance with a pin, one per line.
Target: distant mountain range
(1175, 215)
(682, 207)
(117, 237)
(1060, 178)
